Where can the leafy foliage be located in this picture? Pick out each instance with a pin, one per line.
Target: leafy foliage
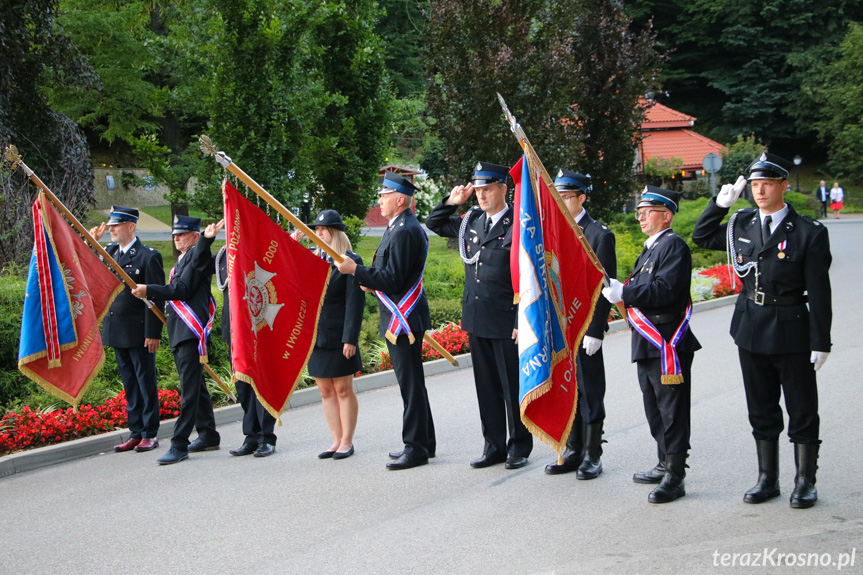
(571, 73)
(52, 145)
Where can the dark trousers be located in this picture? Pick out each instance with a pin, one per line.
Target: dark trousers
(591, 386)
(137, 368)
(417, 424)
(667, 406)
(196, 411)
(824, 208)
(765, 378)
(495, 373)
(258, 424)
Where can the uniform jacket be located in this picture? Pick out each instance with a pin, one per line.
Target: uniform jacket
(803, 268)
(222, 265)
(191, 283)
(487, 304)
(398, 263)
(342, 310)
(129, 321)
(601, 239)
(659, 286)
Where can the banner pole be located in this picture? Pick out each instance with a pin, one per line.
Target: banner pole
(14, 158)
(225, 161)
(526, 145)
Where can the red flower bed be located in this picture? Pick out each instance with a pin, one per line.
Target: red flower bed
(452, 338)
(723, 288)
(28, 429)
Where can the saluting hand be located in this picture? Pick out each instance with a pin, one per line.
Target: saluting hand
(213, 229)
(729, 193)
(98, 231)
(459, 195)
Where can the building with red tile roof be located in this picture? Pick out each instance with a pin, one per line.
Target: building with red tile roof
(665, 135)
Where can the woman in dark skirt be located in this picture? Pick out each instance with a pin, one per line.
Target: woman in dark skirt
(336, 356)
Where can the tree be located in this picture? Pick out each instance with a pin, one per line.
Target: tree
(571, 73)
(52, 145)
(841, 99)
(299, 99)
(738, 64)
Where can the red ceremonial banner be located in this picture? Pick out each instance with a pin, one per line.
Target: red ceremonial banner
(277, 288)
(573, 283)
(69, 290)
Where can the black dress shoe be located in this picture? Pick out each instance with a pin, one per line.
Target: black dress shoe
(265, 450)
(404, 462)
(174, 455)
(199, 445)
(343, 454)
(325, 454)
(397, 454)
(245, 449)
(487, 461)
(570, 464)
(515, 462)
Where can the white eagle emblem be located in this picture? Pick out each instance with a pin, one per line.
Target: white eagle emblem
(261, 297)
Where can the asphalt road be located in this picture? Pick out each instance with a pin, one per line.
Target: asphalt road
(293, 513)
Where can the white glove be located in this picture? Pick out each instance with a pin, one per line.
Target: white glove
(729, 193)
(818, 358)
(614, 292)
(591, 344)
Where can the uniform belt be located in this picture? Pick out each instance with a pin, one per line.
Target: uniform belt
(762, 298)
(664, 318)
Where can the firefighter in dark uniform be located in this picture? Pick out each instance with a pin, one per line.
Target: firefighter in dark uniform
(784, 260)
(584, 445)
(189, 312)
(396, 272)
(258, 423)
(663, 346)
(489, 313)
(134, 331)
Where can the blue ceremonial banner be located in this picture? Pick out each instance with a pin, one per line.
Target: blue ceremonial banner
(558, 285)
(69, 290)
(33, 322)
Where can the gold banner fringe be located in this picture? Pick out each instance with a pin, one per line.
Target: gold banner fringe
(672, 379)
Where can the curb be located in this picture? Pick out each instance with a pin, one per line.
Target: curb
(105, 442)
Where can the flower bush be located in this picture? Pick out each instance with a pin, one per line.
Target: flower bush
(451, 337)
(722, 287)
(29, 428)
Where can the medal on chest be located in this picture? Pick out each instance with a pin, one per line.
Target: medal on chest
(782, 245)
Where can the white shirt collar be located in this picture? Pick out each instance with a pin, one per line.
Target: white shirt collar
(776, 217)
(124, 249)
(579, 217)
(495, 218)
(653, 239)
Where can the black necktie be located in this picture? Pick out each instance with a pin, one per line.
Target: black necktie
(765, 229)
(487, 225)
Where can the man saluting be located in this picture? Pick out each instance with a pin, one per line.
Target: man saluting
(784, 260)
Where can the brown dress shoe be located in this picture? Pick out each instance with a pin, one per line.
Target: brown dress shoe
(128, 445)
(148, 444)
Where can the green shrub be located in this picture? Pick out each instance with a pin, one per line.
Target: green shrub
(444, 311)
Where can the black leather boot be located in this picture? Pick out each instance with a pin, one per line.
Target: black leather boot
(805, 495)
(767, 486)
(654, 475)
(574, 452)
(591, 467)
(671, 487)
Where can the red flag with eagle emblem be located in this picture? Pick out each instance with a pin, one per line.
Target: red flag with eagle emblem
(277, 287)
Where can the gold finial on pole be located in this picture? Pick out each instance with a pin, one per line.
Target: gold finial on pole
(207, 145)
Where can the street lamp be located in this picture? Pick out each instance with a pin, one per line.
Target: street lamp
(797, 161)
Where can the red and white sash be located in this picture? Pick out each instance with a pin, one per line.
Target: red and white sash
(185, 312)
(671, 372)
